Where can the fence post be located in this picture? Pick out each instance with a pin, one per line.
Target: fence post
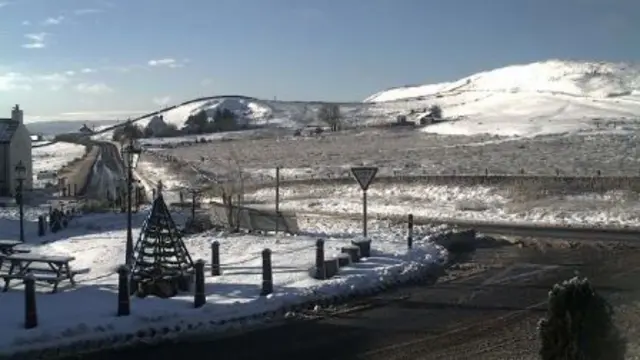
(215, 258)
(124, 301)
(31, 314)
(267, 274)
(320, 259)
(410, 232)
(199, 298)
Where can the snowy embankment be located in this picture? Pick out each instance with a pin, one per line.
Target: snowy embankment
(233, 299)
(51, 158)
(478, 203)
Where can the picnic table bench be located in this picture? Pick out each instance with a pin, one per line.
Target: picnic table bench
(44, 268)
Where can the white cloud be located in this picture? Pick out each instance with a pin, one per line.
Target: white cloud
(87, 11)
(167, 62)
(162, 101)
(13, 81)
(34, 46)
(70, 73)
(39, 37)
(26, 23)
(36, 41)
(95, 89)
(87, 70)
(53, 20)
(54, 81)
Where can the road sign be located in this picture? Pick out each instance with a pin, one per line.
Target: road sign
(364, 175)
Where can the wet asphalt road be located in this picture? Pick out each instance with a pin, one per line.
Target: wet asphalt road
(484, 308)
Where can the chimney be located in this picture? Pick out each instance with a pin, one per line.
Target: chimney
(17, 114)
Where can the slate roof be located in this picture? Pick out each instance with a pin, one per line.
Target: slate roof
(8, 127)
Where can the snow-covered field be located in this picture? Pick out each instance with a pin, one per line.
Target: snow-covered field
(232, 295)
(51, 158)
(410, 152)
(479, 203)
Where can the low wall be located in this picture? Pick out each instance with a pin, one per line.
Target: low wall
(254, 219)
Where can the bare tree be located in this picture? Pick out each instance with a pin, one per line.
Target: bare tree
(232, 190)
(330, 114)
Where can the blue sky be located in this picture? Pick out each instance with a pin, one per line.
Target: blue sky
(108, 58)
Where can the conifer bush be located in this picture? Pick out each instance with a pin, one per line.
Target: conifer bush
(579, 325)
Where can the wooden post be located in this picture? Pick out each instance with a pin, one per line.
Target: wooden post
(41, 225)
(124, 303)
(267, 274)
(31, 314)
(215, 258)
(320, 259)
(410, 232)
(199, 298)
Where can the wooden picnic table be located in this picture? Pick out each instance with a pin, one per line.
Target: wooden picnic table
(44, 268)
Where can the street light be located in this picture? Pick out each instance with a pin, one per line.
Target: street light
(21, 172)
(130, 155)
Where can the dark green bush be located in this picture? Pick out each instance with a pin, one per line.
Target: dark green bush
(579, 325)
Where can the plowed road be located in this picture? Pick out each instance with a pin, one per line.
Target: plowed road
(484, 308)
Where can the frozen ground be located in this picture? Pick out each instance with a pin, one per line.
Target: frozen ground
(612, 151)
(480, 203)
(51, 158)
(232, 295)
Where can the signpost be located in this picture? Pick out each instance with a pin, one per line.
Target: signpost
(364, 175)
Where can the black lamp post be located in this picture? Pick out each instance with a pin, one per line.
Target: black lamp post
(130, 154)
(21, 172)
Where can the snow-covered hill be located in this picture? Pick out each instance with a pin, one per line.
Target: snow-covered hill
(590, 79)
(247, 110)
(527, 100)
(522, 100)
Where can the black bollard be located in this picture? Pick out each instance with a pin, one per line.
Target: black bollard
(320, 259)
(69, 189)
(267, 273)
(75, 189)
(215, 258)
(199, 297)
(31, 314)
(410, 232)
(41, 225)
(124, 304)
